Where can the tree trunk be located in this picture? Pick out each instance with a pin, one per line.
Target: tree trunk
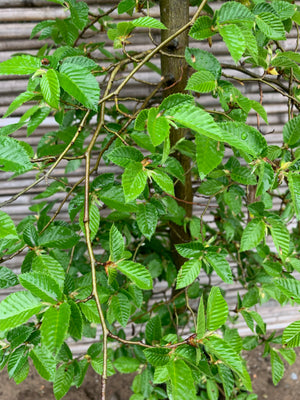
(174, 14)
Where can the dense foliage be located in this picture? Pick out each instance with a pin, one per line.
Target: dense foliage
(99, 267)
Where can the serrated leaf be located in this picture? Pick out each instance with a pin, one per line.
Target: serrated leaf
(227, 379)
(17, 308)
(252, 234)
(134, 180)
(7, 227)
(94, 220)
(62, 380)
(280, 236)
(82, 61)
(67, 30)
(291, 131)
(202, 82)
(209, 154)
(182, 381)
(153, 330)
(157, 126)
(270, 25)
(13, 156)
(157, 356)
(90, 311)
(234, 39)
(137, 273)
(146, 218)
(195, 118)
(20, 65)
(220, 265)
(188, 273)
(201, 323)
(244, 137)
(49, 265)
(266, 178)
(125, 6)
(7, 278)
(50, 88)
(288, 354)
(44, 362)
(19, 100)
(148, 22)
(290, 287)
(30, 236)
(16, 360)
(79, 14)
(291, 335)
(41, 285)
(55, 327)
(203, 60)
(123, 156)
(59, 236)
(37, 118)
(277, 367)
(126, 365)
(76, 324)
(294, 186)
(191, 249)
(121, 308)
(86, 90)
(217, 309)
(202, 28)
(234, 12)
(163, 180)
(116, 244)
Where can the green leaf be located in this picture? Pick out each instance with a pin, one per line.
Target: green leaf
(19, 100)
(175, 100)
(41, 285)
(202, 28)
(59, 236)
(114, 198)
(266, 178)
(270, 25)
(121, 308)
(137, 273)
(134, 180)
(63, 380)
(220, 265)
(209, 154)
(126, 6)
(284, 9)
(13, 156)
(7, 227)
(90, 311)
(68, 30)
(50, 88)
(55, 327)
(20, 65)
(94, 220)
(291, 335)
(86, 90)
(157, 126)
(97, 364)
(188, 273)
(123, 156)
(277, 367)
(212, 390)
(227, 379)
(157, 356)
(288, 354)
(7, 278)
(201, 325)
(280, 236)
(148, 22)
(17, 308)
(182, 381)
(126, 365)
(191, 249)
(202, 82)
(290, 287)
(244, 137)
(44, 362)
(153, 330)
(217, 309)
(294, 186)
(37, 118)
(202, 60)
(30, 236)
(163, 180)
(17, 360)
(234, 39)
(76, 324)
(116, 244)
(79, 13)
(146, 218)
(291, 131)
(195, 118)
(234, 12)
(48, 265)
(252, 234)
(82, 61)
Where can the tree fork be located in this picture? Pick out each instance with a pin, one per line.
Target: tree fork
(174, 14)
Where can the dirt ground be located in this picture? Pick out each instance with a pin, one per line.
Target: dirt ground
(35, 388)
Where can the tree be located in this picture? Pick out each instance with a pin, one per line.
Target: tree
(84, 271)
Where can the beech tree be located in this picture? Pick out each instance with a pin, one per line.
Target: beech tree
(133, 227)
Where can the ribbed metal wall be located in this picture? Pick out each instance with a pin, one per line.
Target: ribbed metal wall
(16, 24)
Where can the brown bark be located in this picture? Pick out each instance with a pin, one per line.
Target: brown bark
(174, 14)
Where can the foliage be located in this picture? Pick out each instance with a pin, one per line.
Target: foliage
(102, 265)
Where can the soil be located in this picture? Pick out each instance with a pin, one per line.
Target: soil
(35, 388)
